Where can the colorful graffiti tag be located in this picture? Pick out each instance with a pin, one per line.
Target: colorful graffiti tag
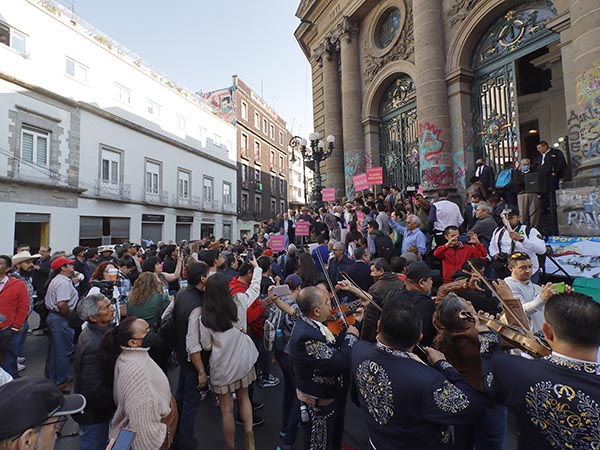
(436, 166)
(579, 211)
(584, 125)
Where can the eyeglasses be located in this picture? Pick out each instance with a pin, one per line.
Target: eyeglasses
(58, 426)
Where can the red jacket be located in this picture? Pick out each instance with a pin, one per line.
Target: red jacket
(454, 257)
(14, 303)
(255, 311)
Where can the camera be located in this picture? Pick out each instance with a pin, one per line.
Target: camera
(106, 287)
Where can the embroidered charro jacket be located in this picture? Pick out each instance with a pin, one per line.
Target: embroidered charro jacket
(408, 404)
(556, 399)
(317, 364)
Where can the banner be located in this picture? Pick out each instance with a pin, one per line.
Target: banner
(577, 255)
(277, 243)
(328, 194)
(302, 228)
(375, 175)
(360, 182)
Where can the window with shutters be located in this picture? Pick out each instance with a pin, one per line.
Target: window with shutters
(111, 162)
(183, 184)
(35, 146)
(152, 177)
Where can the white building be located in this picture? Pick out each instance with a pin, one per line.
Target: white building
(300, 179)
(96, 146)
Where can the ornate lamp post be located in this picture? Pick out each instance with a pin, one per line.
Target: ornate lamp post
(317, 154)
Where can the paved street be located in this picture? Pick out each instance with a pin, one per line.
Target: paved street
(208, 425)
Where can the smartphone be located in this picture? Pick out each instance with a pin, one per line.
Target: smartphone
(124, 440)
(464, 238)
(559, 288)
(280, 291)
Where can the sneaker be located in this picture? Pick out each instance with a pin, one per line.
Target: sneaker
(257, 405)
(21, 367)
(269, 382)
(20, 359)
(256, 420)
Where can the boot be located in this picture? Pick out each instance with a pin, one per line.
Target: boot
(249, 445)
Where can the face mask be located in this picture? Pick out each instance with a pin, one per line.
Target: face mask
(474, 205)
(151, 340)
(524, 168)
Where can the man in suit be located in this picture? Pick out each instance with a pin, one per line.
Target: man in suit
(470, 209)
(486, 176)
(289, 228)
(551, 162)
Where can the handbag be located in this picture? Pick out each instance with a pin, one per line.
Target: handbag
(170, 420)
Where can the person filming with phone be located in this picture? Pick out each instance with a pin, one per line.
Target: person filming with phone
(457, 250)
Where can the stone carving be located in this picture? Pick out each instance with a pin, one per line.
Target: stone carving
(460, 10)
(346, 29)
(403, 49)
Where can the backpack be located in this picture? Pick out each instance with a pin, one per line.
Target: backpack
(270, 328)
(384, 247)
(504, 178)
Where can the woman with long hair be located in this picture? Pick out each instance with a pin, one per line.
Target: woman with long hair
(308, 271)
(233, 354)
(103, 281)
(140, 389)
(147, 300)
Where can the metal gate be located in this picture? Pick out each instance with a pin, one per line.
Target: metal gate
(496, 116)
(399, 134)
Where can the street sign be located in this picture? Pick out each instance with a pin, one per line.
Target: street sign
(302, 228)
(375, 175)
(328, 194)
(360, 182)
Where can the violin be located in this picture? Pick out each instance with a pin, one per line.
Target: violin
(516, 337)
(342, 316)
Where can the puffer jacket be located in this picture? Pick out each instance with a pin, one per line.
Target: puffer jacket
(14, 304)
(93, 377)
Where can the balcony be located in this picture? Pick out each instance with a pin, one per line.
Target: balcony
(156, 197)
(229, 208)
(210, 205)
(119, 191)
(189, 202)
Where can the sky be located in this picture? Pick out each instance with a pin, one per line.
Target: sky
(202, 43)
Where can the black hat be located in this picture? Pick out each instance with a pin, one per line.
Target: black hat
(417, 271)
(28, 402)
(77, 250)
(510, 212)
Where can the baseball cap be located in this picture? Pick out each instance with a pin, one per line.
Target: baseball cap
(510, 212)
(294, 280)
(418, 270)
(31, 401)
(267, 252)
(59, 262)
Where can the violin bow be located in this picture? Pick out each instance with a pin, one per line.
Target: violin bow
(493, 290)
(338, 304)
(353, 283)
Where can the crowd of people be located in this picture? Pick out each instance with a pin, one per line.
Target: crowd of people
(426, 313)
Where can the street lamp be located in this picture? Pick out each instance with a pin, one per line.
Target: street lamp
(316, 154)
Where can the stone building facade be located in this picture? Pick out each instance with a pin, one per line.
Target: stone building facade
(262, 153)
(425, 87)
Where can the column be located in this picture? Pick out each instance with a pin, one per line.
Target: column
(333, 119)
(354, 144)
(585, 51)
(432, 97)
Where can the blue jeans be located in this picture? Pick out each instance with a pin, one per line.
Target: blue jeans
(488, 433)
(17, 348)
(61, 346)
(93, 436)
(188, 403)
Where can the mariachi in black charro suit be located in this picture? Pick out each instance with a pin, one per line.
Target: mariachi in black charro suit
(318, 366)
(408, 405)
(556, 399)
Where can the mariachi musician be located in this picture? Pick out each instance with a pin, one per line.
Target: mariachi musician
(318, 365)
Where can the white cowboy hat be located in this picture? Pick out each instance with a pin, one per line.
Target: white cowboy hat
(106, 248)
(23, 256)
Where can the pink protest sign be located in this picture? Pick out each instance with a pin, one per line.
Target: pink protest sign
(360, 182)
(302, 228)
(329, 194)
(277, 243)
(360, 216)
(375, 175)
